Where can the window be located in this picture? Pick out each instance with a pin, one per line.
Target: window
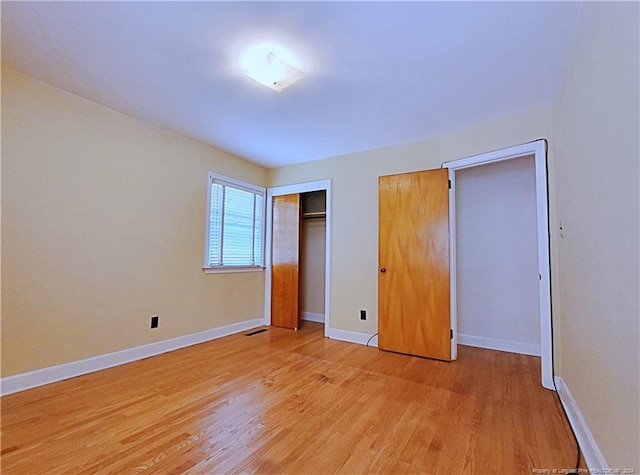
(235, 225)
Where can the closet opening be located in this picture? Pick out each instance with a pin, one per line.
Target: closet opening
(313, 229)
(497, 257)
(523, 170)
(297, 256)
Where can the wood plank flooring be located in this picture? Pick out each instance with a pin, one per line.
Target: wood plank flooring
(291, 402)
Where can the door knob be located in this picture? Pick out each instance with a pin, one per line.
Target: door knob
(383, 269)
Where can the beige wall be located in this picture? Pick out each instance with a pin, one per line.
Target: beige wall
(312, 262)
(354, 238)
(596, 131)
(103, 226)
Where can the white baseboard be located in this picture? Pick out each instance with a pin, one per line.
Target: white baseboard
(40, 377)
(590, 450)
(312, 317)
(500, 345)
(351, 337)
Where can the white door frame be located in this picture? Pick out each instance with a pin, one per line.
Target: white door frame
(288, 190)
(538, 150)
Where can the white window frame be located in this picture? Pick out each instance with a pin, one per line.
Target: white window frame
(241, 185)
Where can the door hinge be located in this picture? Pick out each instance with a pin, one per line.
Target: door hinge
(449, 184)
(451, 334)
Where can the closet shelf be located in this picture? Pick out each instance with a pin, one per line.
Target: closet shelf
(316, 214)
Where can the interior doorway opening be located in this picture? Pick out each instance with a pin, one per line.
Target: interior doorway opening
(303, 274)
(497, 265)
(313, 229)
(536, 150)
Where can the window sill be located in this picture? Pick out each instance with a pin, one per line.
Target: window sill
(231, 269)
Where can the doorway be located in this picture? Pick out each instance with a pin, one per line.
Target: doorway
(497, 265)
(313, 265)
(313, 229)
(536, 150)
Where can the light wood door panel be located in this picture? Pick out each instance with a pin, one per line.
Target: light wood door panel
(413, 257)
(285, 255)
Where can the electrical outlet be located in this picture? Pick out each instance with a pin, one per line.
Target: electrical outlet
(363, 314)
(154, 321)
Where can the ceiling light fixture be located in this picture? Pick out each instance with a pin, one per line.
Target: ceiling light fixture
(270, 65)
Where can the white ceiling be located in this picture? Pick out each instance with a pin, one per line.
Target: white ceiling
(379, 73)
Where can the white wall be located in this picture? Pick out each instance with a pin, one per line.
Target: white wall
(596, 148)
(497, 256)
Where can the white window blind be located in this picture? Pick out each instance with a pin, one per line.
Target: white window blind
(236, 225)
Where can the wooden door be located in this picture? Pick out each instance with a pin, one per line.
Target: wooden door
(413, 258)
(285, 254)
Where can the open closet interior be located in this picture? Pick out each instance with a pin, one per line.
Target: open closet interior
(497, 279)
(298, 259)
(312, 255)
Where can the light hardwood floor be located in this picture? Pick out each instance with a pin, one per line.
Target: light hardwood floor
(291, 402)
